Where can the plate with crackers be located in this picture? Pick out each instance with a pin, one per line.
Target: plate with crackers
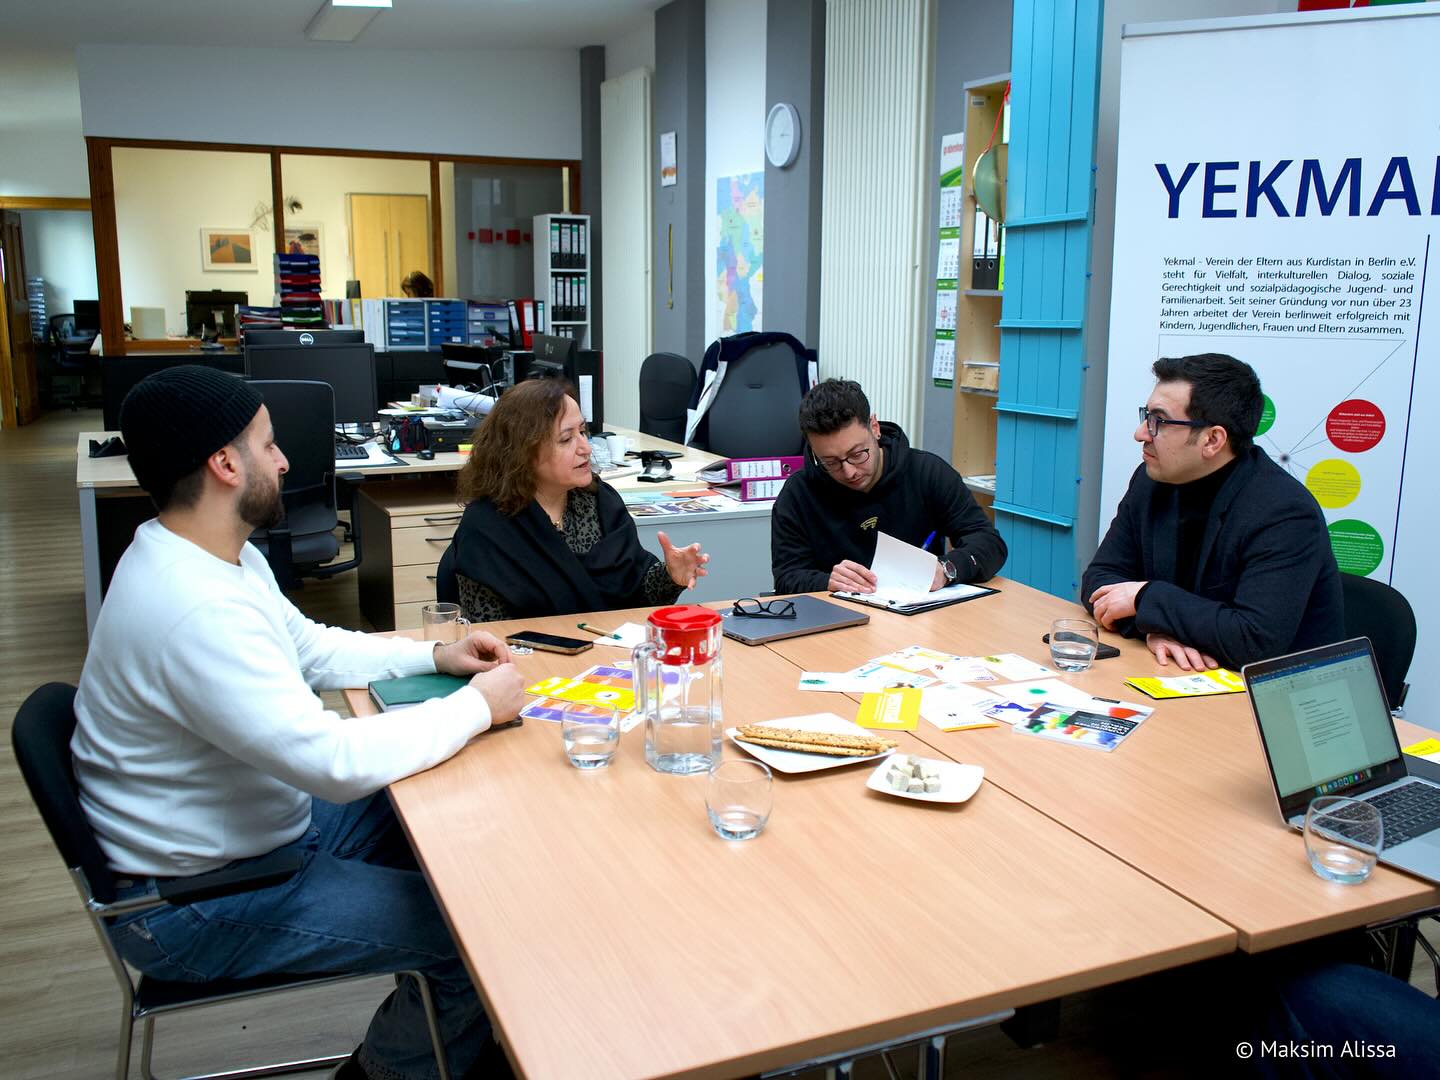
(801, 744)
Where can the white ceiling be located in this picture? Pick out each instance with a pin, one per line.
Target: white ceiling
(410, 24)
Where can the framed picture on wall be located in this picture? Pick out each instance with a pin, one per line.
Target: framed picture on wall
(302, 239)
(227, 249)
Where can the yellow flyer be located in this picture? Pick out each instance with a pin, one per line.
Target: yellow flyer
(1197, 684)
(598, 686)
(1426, 748)
(890, 710)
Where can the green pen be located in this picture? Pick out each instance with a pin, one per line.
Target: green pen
(597, 631)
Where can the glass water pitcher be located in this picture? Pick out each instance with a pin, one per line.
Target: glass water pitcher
(678, 689)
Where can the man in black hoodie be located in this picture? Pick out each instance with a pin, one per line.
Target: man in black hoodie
(862, 478)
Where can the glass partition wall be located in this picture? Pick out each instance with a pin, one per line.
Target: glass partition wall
(185, 232)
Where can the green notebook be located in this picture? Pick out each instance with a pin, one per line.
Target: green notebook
(391, 694)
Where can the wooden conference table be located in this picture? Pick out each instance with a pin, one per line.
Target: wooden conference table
(112, 505)
(612, 934)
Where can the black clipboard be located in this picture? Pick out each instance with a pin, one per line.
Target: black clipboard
(940, 601)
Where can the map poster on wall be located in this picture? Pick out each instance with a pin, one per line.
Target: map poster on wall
(740, 255)
(1302, 242)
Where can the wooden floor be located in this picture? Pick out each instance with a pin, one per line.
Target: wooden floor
(59, 1008)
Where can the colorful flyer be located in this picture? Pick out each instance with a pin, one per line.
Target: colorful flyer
(1063, 723)
(890, 710)
(1042, 691)
(600, 685)
(1197, 684)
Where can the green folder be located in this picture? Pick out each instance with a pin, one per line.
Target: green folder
(390, 694)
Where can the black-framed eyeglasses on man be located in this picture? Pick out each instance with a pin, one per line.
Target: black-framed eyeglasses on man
(1152, 421)
(854, 460)
(765, 609)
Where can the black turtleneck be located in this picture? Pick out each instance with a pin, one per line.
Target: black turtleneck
(1196, 498)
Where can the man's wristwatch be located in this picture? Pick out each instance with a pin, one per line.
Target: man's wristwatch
(952, 572)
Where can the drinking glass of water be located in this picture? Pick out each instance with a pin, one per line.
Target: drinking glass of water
(739, 798)
(591, 734)
(1073, 644)
(1343, 838)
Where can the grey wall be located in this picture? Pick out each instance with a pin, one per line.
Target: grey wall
(795, 73)
(592, 74)
(972, 41)
(679, 91)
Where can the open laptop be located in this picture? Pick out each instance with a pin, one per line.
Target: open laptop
(812, 616)
(1326, 729)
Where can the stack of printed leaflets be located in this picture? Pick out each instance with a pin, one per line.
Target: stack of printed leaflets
(603, 688)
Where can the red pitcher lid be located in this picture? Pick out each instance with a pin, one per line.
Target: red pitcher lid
(687, 630)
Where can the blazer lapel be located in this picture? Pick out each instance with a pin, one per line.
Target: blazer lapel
(1232, 487)
(1164, 532)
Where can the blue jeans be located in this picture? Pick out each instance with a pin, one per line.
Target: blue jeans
(358, 904)
(1350, 1020)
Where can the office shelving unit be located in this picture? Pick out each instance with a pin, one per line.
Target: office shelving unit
(563, 274)
(977, 310)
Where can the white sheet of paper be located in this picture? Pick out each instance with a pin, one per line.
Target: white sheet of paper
(631, 634)
(1039, 691)
(898, 565)
(955, 707)
(1016, 668)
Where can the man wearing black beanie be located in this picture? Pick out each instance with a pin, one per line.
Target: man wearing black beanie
(200, 740)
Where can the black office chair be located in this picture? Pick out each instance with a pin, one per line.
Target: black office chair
(666, 383)
(1381, 613)
(41, 739)
(70, 357)
(304, 543)
(756, 410)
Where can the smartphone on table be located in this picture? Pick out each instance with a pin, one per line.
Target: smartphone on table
(548, 642)
(1105, 652)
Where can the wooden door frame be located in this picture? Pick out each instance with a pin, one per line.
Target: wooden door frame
(9, 417)
(107, 244)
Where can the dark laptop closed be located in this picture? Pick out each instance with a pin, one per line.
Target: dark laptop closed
(812, 616)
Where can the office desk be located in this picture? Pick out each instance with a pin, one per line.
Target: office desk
(112, 506)
(1187, 799)
(611, 933)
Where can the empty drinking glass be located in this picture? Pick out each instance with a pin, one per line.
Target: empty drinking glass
(443, 622)
(1343, 838)
(739, 798)
(591, 734)
(1073, 644)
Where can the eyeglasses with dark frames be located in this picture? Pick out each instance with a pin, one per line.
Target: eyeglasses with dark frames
(855, 460)
(1152, 421)
(765, 609)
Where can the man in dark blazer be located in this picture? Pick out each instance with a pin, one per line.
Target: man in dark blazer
(1216, 555)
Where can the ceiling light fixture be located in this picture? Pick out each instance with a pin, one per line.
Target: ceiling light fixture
(343, 20)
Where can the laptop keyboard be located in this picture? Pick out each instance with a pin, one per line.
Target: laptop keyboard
(1407, 811)
(346, 451)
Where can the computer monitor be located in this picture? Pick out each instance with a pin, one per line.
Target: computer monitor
(553, 355)
(212, 310)
(87, 316)
(269, 336)
(348, 368)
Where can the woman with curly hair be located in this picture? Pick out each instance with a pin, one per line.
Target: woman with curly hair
(541, 534)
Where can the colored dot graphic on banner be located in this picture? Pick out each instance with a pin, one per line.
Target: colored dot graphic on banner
(1357, 546)
(1355, 426)
(1333, 482)
(1267, 416)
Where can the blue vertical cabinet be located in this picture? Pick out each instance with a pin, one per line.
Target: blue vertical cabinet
(1049, 212)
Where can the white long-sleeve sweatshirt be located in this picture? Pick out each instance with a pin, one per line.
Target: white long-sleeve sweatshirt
(200, 738)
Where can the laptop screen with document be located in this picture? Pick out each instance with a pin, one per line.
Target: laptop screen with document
(1324, 723)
